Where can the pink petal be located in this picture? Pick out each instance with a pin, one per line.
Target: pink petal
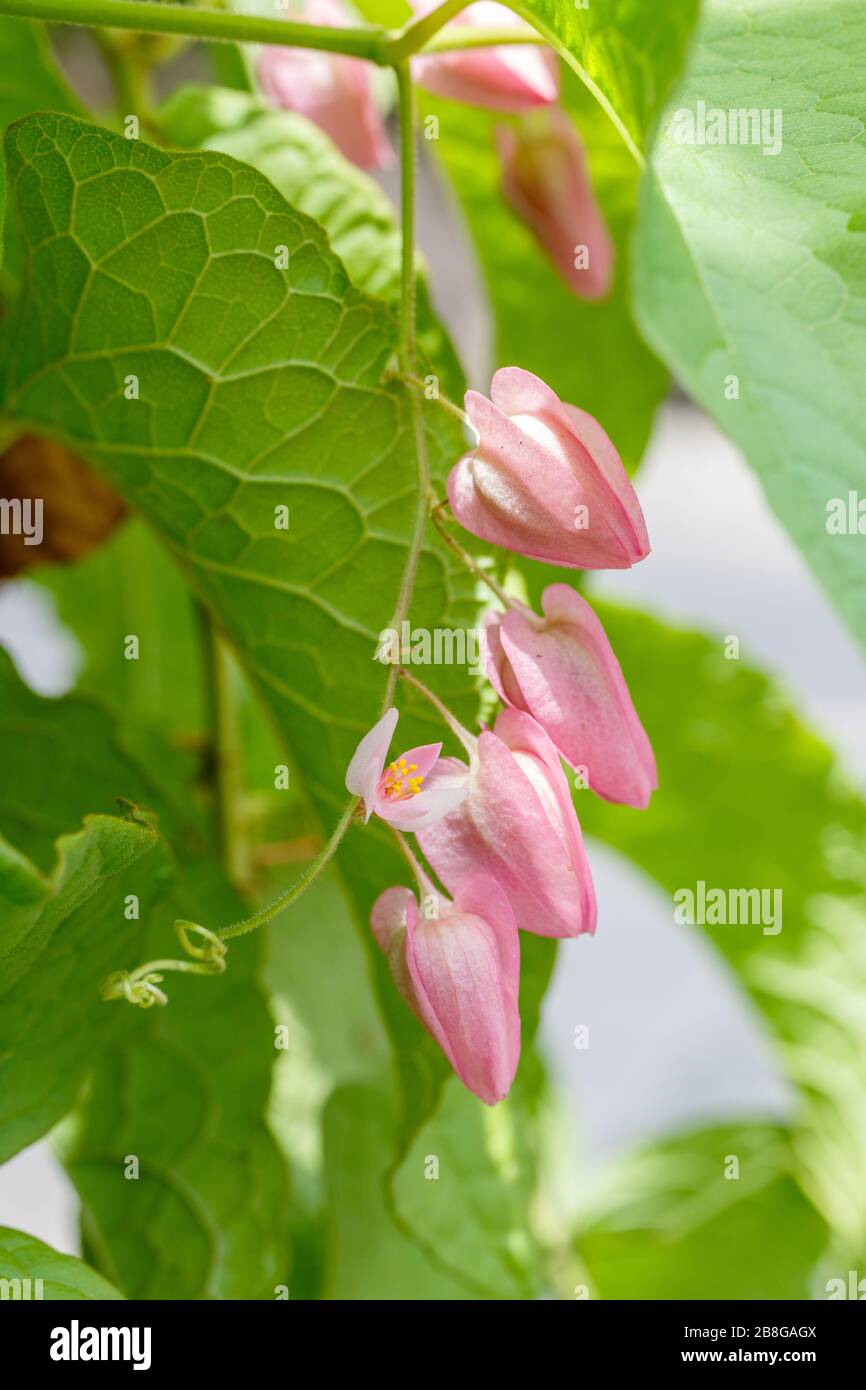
(464, 970)
(441, 794)
(332, 90)
(611, 468)
(513, 77)
(503, 829)
(365, 769)
(539, 761)
(546, 179)
(533, 468)
(389, 915)
(571, 682)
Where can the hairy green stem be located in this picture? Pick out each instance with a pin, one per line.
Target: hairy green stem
(406, 94)
(228, 767)
(129, 80)
(468, 740)
(418, 32)
(442, 401)
(310, 874)
(193, 23)
(465, 558)
(463, 37)
(406, 353)
(375, 44)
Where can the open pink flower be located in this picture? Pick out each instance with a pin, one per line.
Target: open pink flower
(517, 823)
(330, 89)
(458, 969)
(509, 78)
(544, 480)
(561, 669)
(545, 178)
(412, 791)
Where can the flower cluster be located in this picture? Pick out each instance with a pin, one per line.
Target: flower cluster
(544, 174)
(499, 828)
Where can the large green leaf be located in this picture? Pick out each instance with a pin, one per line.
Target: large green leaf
(367, 1256)
(260, 387)
(753, 266)
(605, 367)
(708, 1215)
(206, 1213)
(34, 1270)
(33, 907)
(628, 54)
(184, 1090)
(29, 77)
(65, 924)
(749, 799)
(465, 1190)
(313, 176)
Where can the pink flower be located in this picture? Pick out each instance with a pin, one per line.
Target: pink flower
(546, 180)
(459, 971)
(410, 792)
(561, 669)
(544, 480)
(510, 78)
(330, 89)
(517, 824)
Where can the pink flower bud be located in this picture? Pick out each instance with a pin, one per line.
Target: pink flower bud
(562, 670)
(457, 965)
(510, 78)
(413, 790)
(545, 178)
(544, 480)
(517, 823)
(330, 89)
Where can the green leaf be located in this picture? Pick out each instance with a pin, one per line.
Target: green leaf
(259, 387)
(772, 813)
(184, 1090)
(206, 1214)
(368, 1257)
(606, 368)
(312, 175)
(708, 1215)
(29, 81)
(627, 54)
(69, 929)
(753, 266)
(34, 907)
(29, 77)
(464, 1190)
(34, 1270)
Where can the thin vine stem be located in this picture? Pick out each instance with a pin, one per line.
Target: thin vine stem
(463, 38)
(228, 762)
(310, 874)
(419, 873)
(374, 44)
(418, 32)
(468, 740)
(147, 18)
(406, 354)
(442, 401)
(465, 558)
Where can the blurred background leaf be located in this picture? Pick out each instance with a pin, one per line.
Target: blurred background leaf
(753, 267)
(60, 1277)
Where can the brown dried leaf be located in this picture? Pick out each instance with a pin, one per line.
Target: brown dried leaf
(53, 507)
